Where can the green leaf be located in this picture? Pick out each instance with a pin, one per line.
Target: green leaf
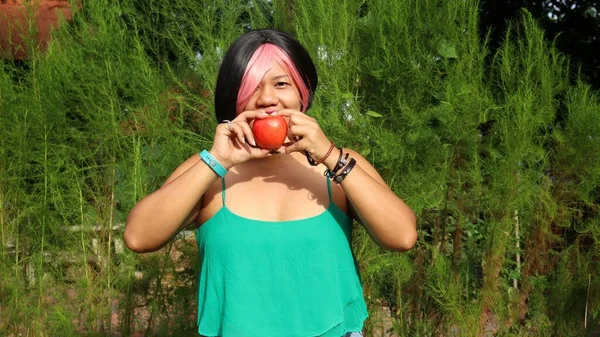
(559, 136)
(447, 50)
(348, 95)
(374, 114)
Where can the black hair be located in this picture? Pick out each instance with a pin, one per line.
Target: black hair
(236, 60)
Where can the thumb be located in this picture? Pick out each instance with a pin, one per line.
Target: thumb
(296, 146)
(256, 152)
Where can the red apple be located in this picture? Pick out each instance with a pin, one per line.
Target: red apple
(270, 132)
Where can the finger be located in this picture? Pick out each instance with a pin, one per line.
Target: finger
(292, 132)
(256, 152)
(295, 116)
(291, 136)
(248, 133)
(287, 112)
(250, 115)
(297, 146)
(300, 131)
(238, 132)
(223, 129)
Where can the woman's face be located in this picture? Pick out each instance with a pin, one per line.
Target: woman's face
(276, 91)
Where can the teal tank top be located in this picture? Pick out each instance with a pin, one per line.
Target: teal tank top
(295, 278)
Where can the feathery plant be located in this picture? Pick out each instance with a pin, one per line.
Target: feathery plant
(498, 155)
(78, 129)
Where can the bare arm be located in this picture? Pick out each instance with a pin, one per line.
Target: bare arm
(389, 221)
(154, 220)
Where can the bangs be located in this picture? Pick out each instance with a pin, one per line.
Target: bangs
(259, 65)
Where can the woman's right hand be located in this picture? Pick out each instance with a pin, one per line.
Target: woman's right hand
(234, 142)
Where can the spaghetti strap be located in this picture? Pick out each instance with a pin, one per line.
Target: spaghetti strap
(329, 190)
(223, 190)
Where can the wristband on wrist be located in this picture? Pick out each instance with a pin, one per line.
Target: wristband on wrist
(213, 163)
(340, 177)
(341, 162)
(311, 161)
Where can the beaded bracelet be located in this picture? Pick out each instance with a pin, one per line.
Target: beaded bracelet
(327, 154)
(340, 177)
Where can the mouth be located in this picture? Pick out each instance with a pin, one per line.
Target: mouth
(270, 111)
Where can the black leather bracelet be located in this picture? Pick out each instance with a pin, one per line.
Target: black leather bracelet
(340, 177)
(311, 161)
(341, 162)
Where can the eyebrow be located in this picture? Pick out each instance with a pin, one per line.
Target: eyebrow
(278, 77)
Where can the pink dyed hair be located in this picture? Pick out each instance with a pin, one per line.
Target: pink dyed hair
(259, 64)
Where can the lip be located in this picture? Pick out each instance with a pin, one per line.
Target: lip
(270, 111)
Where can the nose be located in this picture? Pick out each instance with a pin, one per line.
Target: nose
(267, 96)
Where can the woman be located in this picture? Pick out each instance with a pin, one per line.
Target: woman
(273, 229)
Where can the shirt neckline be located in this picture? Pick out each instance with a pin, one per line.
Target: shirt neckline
(330, 209)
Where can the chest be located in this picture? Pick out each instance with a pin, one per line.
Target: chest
(329, 230)
(301, 195)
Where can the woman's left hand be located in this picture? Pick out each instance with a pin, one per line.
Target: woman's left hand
(305, 135)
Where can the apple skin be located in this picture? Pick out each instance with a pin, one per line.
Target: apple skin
(270, 132)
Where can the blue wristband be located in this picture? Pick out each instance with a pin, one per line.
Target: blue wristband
(213, 163)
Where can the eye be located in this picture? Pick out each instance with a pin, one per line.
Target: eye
(281, 84)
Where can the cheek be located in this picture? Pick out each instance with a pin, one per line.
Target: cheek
(249, 106)
(293, 102)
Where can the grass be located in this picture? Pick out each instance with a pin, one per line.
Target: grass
(123, 94)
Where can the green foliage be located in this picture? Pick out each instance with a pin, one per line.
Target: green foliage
(497, 154)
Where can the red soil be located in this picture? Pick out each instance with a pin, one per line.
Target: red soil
(15, 18)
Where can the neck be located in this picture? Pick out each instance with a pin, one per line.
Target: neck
(276, 161)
